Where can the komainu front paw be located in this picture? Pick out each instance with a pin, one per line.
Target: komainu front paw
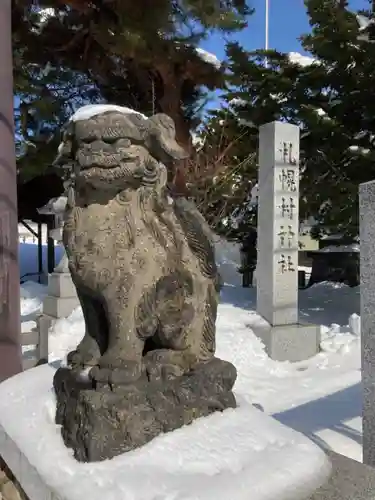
(82, 359)
(116, 370)
(87, 353)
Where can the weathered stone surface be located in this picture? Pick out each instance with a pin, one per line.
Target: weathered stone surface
(3, 478)
(278, 222)
(10, 489)
(10, 492)
(277, 245)
(367, 271)
(100, 424)
(143, 265)
(350, 480)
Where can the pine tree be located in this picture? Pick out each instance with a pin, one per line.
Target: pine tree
(329, 99)
(45, 98)
(338, 148)
(142, 55)
(251, 99)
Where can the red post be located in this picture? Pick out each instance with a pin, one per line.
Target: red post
(10, 350)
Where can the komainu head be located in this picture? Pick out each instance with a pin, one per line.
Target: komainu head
(117, 150)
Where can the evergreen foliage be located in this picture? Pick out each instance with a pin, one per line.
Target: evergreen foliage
(329, 98)
(136, 54)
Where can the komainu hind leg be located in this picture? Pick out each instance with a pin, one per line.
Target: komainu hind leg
(187, 347)
(166, 364)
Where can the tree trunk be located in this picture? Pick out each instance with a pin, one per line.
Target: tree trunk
(10, 350)
(170, 104)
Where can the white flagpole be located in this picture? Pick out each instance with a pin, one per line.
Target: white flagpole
(266, 31)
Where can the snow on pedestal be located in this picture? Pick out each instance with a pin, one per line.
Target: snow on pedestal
(237, 455)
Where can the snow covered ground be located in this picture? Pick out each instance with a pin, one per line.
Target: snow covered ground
(219, 457)
(320, 397)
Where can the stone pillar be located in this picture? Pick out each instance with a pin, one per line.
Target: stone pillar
(61, 298)
(367, 273)
(60, 301)
(277, 261)
(10, 323)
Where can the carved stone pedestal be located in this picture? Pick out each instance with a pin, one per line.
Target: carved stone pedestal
(102, 423)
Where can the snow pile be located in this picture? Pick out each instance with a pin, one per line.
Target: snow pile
(228, 261)
(220, 457)
(65, 335)
(320, 396)
(32, 295)
(338, 340)
(278, 387)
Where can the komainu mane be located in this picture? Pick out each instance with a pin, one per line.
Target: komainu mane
(144, 268)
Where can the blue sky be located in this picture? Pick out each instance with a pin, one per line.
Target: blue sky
(287, 21)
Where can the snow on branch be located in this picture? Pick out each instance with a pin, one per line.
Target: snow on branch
(45, 14)
(301, 60)
(237, 101)
(208, 57)
(364, 24)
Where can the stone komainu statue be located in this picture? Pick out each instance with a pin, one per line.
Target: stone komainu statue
(144, 268)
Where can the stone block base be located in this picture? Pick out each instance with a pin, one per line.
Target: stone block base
(289, 342)
(59, 307)
(62, 296)
(100, 424)
(10, 489)
(61, 285)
